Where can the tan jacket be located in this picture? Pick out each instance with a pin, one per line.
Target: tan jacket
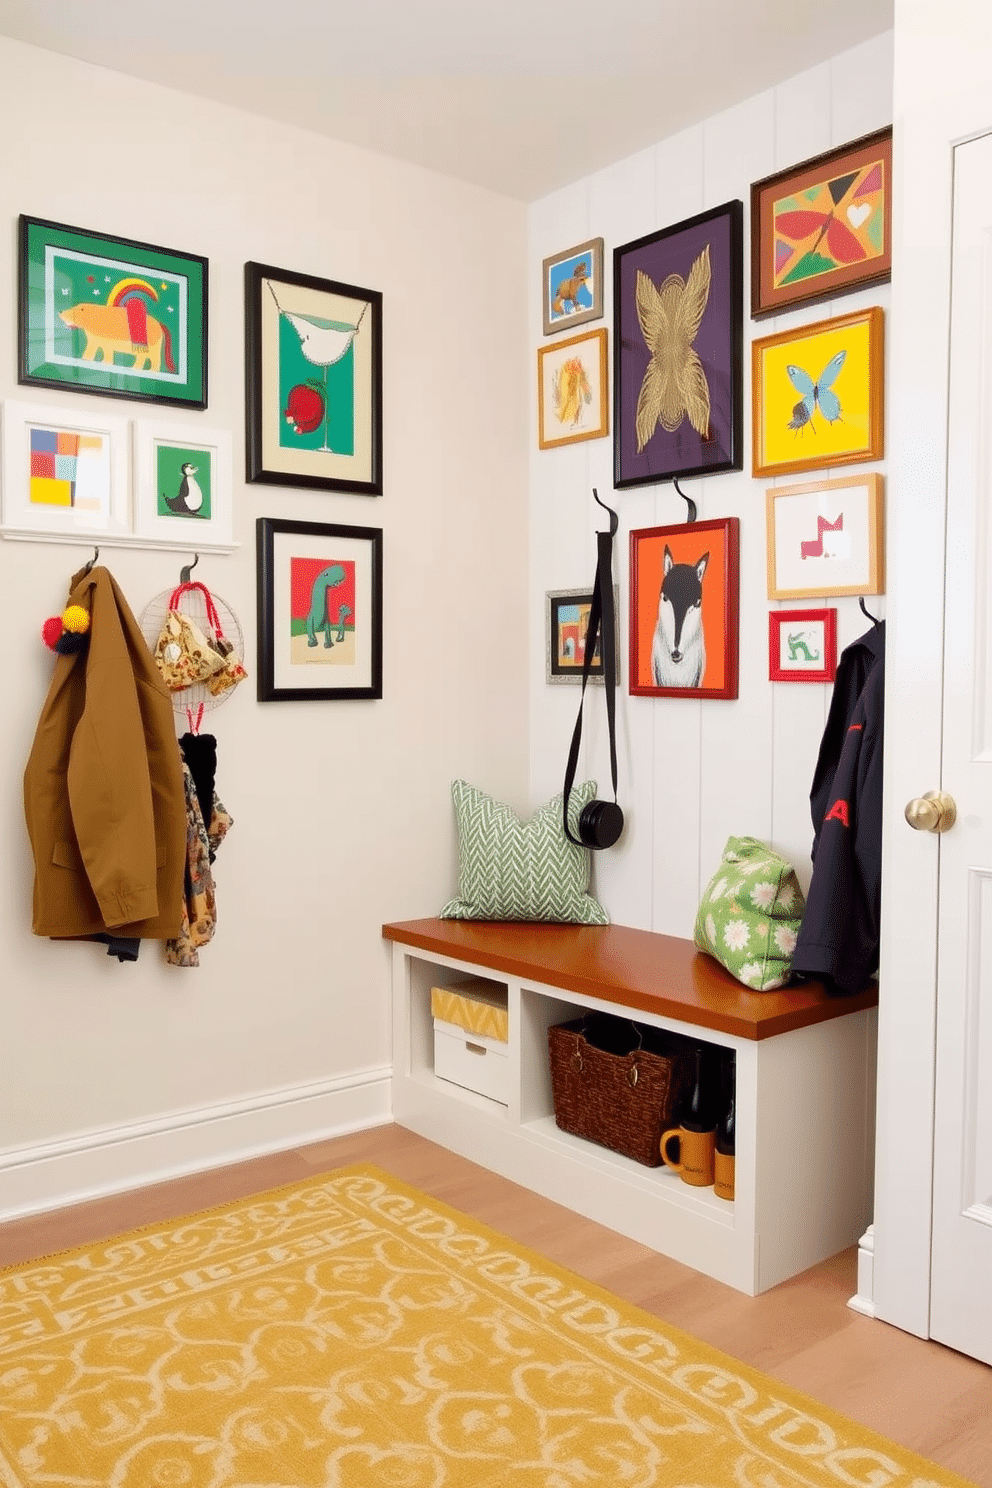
(103, 788)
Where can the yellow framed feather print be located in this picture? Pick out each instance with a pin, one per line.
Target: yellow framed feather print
(571, 390)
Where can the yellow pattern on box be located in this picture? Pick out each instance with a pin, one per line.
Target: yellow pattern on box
(475, 1005)
(350, 1332)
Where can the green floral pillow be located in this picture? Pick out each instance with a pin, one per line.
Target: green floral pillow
(750, 914)
(510, 869)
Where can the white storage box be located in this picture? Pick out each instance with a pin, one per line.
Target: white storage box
(472, 1060)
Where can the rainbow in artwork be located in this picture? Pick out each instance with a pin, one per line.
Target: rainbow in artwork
(69, 469)
(126, 288)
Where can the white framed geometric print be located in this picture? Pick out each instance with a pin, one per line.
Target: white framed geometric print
(64, 473)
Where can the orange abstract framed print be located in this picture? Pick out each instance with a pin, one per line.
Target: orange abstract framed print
(572, 399)
(817, 395)
(823, 227)
(684, 595)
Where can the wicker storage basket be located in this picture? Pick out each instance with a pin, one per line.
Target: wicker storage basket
(618, 1083)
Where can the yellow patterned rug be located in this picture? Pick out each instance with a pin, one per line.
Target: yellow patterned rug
(350, 1332)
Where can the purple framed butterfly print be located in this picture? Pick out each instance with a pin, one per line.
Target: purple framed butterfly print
(678, 302)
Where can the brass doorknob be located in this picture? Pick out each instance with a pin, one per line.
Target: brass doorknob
(933, 812)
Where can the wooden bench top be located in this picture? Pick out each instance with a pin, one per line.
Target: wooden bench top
(659, 974)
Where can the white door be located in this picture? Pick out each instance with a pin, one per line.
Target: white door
(961, 1256)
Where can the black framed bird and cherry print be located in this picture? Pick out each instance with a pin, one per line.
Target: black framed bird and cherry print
(313, 382)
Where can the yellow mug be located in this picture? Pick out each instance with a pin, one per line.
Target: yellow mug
(723, 1175)
(694, 1163)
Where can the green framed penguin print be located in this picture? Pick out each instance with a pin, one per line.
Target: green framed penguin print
(109, 315)
(313, 382)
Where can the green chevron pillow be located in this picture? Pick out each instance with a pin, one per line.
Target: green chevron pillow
(509, 869)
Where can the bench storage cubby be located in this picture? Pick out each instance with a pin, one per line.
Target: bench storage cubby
(617, 1083)
(805, 1089)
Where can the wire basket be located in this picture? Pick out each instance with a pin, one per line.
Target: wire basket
(618, 1083)
(190, 703)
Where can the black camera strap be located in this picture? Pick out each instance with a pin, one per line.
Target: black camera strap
(601, 617)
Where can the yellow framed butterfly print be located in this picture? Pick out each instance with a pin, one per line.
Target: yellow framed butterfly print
(817, 395)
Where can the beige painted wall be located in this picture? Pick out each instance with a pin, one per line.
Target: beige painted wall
(342, 811)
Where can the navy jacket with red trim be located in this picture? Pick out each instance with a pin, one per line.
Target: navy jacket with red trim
(839, 937)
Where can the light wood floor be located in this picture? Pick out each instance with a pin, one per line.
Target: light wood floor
(920, 1394)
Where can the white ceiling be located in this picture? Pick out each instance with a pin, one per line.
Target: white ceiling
(520, 96)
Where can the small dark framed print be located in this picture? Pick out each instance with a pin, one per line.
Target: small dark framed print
(319, 611)
(566, 624)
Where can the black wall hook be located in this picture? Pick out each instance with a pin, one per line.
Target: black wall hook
(687, 499)
(96, 554)
(187, 569)
(614, 519)
(867, 612)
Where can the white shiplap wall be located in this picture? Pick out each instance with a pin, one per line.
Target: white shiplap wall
(691, 773)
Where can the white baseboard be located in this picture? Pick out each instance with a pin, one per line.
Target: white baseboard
(115, 1159)
(863, 1300)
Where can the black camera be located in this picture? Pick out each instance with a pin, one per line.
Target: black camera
(600, 824)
